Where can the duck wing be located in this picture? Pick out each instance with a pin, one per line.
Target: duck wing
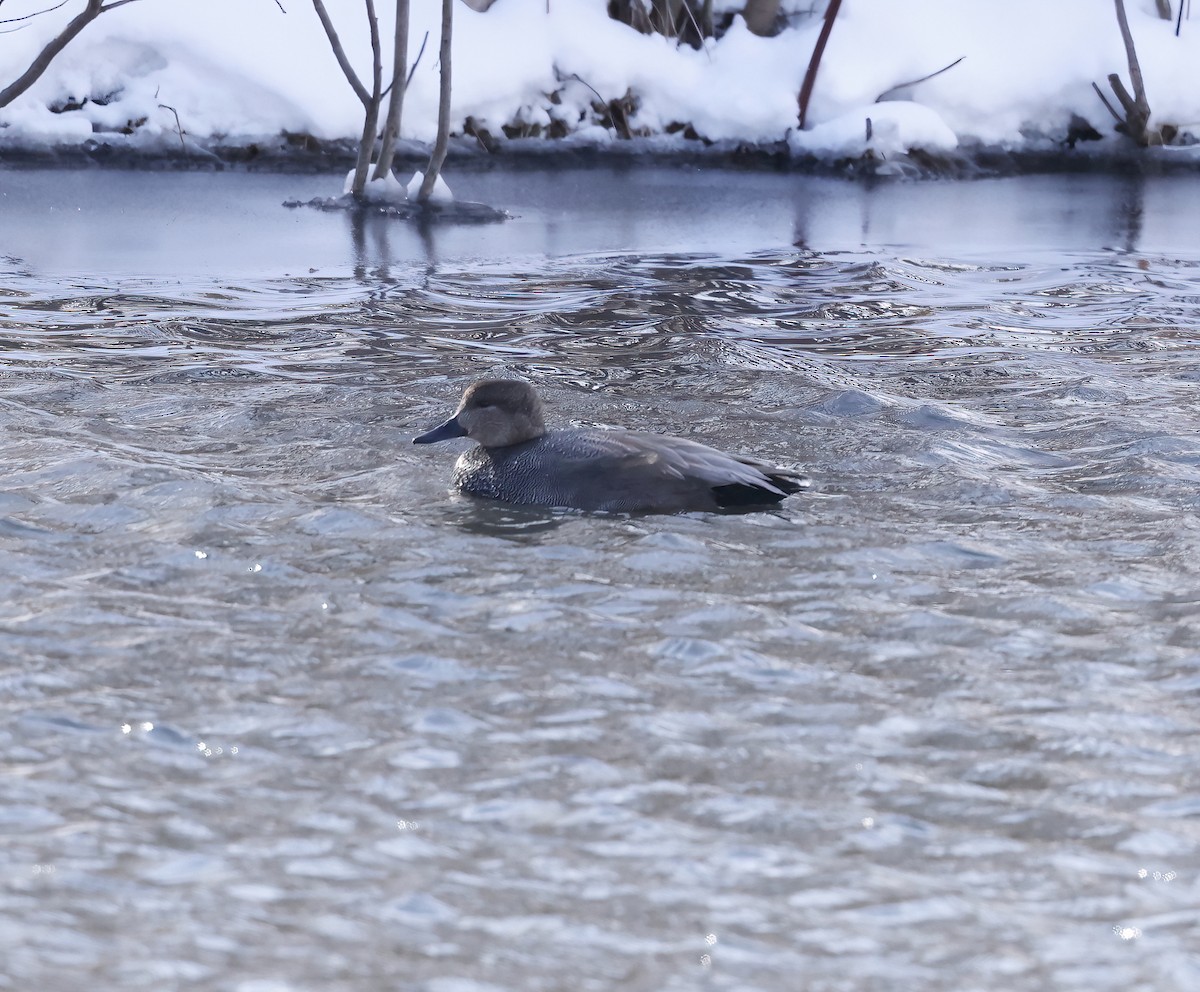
(638, 470)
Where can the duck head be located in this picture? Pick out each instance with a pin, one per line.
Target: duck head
(495, 413)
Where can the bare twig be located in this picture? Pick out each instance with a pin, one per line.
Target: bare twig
(613, 107)
(416, 61)
(376, 49)
(55, 45)
(1122, 94)
(810, 74)
(576, 75)
(1104, 100)
(666, 11)
(340, 54)
(178, 126)
(36, 13)
(699, 30)
(914, 82)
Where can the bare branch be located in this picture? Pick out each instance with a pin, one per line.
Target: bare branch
(416, 61)
(438, 156)
(576, 75)
(178, 126)
(36, 13)
(1135, 69)
(55, 45)
(1104, 100)
(914, 82)
(376, 51)
(810, 74)
(700, 35)
(1122, 94)
(340, 54)
(391, 124)
(1137, 108)
(366, 144)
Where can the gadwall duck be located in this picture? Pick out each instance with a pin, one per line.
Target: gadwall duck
(518, 461)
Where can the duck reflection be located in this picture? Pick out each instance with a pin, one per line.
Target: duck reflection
(492, 518)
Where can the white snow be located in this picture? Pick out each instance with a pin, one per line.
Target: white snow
(895, 128)
(387, 189)
(244, 71)
(440, 194)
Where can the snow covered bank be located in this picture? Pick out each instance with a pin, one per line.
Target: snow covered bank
(242, 78)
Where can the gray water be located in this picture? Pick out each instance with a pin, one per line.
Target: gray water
(277, 712)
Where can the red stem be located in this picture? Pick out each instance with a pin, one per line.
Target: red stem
(810, 76)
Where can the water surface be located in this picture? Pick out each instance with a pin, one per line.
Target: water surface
(279, 713)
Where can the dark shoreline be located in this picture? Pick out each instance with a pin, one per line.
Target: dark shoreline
(303, 155)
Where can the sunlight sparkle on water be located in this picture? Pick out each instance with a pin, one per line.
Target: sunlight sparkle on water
(145, 727)
(210, 751)
(1158, 876)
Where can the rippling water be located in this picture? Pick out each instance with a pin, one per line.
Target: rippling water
(281, 714)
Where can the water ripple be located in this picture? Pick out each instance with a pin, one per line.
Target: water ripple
(904, 720)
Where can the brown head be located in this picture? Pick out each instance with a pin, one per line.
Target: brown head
(495, 413)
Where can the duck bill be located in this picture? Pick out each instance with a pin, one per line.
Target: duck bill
(450, 429)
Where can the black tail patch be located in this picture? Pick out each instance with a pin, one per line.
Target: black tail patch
(741, 494)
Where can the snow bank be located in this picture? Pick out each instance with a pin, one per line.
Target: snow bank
(243, 71)
(877, 129)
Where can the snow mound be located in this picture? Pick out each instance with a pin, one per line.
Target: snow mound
(441, 192)
(879, 129)
(386, 189)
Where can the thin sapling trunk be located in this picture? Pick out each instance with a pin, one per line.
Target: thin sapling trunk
(391, 127)
(443, 131)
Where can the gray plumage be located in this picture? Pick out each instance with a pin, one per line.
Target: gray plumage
(519, 461)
